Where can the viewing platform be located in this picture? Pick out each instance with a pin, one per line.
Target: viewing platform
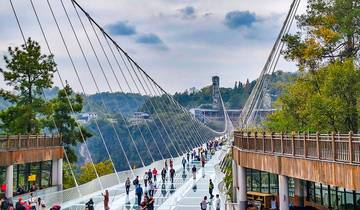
(34, 159)
(331, 160)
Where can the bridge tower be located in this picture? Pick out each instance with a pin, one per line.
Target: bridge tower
(216, 93)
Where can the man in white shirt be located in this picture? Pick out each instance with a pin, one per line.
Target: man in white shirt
(217, 202)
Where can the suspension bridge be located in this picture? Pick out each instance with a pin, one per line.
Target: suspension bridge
(94, 60)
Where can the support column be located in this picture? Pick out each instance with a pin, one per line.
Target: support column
(9, 181)
(235, 181)
(54, 174)
(283, 192)
(242, 195)
(60, 173)
(299, 193)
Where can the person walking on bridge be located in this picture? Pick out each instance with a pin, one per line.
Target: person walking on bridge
(163, 174)
(183, 163)
(145, 178)
(90, 204)
(204, 203)
(127, 185)
(154, 172)
(106, 200)
(139, 193)
(172, 174)
(193, 170)
(211, 188)
(150, 175)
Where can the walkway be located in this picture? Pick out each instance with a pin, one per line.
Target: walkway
(185, 193)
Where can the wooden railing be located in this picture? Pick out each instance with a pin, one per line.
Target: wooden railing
(17, 142)
(333, 147)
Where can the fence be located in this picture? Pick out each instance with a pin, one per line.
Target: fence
(333, 147)
(16, 142)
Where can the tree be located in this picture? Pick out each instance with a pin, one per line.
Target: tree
(87, 172)
(329, 31)
(325, 100)
(28, 72)
(66, 104)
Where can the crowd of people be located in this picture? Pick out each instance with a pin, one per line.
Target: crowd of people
(32, 203)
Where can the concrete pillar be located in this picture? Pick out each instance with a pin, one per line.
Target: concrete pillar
(54, 174)
(242, 195)
(299, 193)
(283, 192)
(235, 181)
(60, 173)
(9, 181)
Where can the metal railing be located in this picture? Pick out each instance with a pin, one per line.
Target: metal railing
(17, 142)
(332, 147)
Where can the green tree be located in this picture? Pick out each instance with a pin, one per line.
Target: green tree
(66, 104)
(329, 30)
(87, 172)
(28, 72)
(325, 100)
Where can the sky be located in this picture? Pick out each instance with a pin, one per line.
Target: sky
(180, 43)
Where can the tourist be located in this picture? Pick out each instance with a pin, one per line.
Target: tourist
(136, 181)
(56, 207)
(171, 163)
(192, 156)
(149, 175)
(211, 188)
(90, 204)
(193, 170)
(106, 200)
(163, 174)
(217, 202)
(40, 204)
(154, 172)
(144, 203)
(151, 202)
(33, 188)
(183, 163)
(166, 165)
(139, 193)
(20, 204)
(145, 178)
(172, 174)
(204, 203)
(151, 188)
(20, 191)
(127, 185)
(202, 161)
(4, 204)
(188, 157)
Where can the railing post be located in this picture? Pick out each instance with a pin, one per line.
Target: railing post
(318, 144)
(37, 140)
(293, 143)
(350, 147)
(255, 140)
(19, 141)
(7, 142)
(27, 141)
(333, 146)
(263, 140)
(272, 142)
(282, 143)
(305, 149)
(248, 140)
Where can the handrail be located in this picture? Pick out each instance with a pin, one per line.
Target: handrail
(17, 142)
(331, 147)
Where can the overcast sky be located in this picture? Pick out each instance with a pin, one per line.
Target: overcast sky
(180, 43)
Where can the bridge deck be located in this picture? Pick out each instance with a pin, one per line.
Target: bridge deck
(185, 193)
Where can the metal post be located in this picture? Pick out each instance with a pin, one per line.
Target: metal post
(242, 195)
